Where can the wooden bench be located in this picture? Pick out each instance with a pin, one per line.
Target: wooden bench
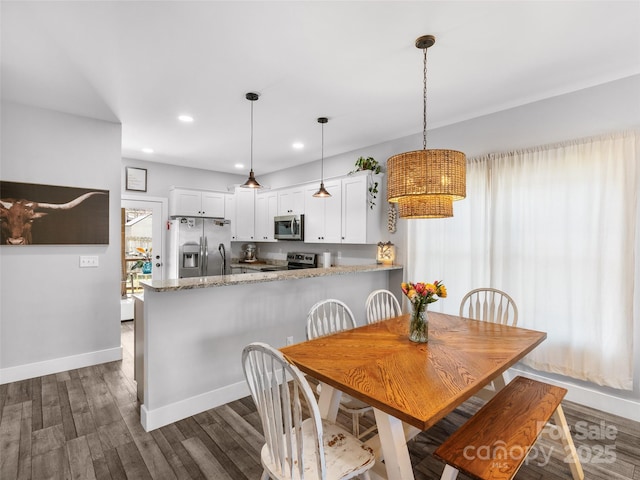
(494, 443)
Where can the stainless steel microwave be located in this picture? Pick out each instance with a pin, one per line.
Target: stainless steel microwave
(288, 227)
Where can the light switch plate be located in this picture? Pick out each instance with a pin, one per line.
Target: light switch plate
(88, 261)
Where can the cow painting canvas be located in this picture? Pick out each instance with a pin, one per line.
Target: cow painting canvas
(32, 214)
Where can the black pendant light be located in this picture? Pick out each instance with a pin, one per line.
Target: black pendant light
(322, 192)
(251, 181)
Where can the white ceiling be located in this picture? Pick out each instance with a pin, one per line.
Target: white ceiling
(142, 63)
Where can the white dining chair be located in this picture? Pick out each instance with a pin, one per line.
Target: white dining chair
(382, 304)
(298, 443)
(490, 305)
(327, 317)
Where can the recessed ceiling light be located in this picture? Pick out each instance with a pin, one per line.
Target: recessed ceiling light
(147, 150)
(298, 145)
(185, 118)
(239, 165)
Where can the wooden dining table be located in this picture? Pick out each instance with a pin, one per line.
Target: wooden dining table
(410, 386)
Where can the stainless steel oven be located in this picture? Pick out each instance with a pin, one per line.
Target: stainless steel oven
(288, 227)
(296, 261)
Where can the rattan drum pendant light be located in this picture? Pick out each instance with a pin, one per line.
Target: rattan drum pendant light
(424, 183)
(322, 192)
(251, 181)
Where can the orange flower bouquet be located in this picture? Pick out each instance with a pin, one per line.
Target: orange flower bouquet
(420, 295)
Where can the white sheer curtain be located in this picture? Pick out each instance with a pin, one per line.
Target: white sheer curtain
(555, 228)
(441, 249)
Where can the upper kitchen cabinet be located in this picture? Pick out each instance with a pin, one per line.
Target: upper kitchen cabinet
(360, 211)
(196, 203)
(322, 216)
(266, 209)
(245, 213)
(230, 214)
(291, 201)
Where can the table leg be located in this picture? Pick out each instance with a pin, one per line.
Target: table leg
(394, 446)
(328, 402)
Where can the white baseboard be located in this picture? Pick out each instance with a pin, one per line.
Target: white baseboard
(159, 417)
(627, 408)
(57, 365)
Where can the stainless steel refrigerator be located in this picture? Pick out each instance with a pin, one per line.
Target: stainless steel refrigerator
(198, 247)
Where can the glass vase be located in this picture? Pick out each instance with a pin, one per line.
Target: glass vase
(146, 267)
(419, 324)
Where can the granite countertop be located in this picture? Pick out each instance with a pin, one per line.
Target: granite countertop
(258, 277)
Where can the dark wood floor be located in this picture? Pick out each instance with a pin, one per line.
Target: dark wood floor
(85, 424)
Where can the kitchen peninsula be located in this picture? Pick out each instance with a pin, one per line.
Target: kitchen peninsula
(190, 332)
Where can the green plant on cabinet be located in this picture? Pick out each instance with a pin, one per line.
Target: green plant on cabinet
(369, 163)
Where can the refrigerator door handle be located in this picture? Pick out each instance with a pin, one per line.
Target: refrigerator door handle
(200, 265)
(205, 263)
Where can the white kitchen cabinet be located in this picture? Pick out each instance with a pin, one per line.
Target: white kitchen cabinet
(291, 201)
(266, 209)
(322, 217)
(196, 203)
(230, 214)
(360, 222)
(213, 204)
(245, 213)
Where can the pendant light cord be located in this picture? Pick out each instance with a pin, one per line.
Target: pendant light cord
(252, 136)
(322, 153)
(424, 103)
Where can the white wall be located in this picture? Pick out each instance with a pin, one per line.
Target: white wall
(53, 315)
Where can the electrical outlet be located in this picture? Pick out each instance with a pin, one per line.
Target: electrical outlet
(289, 340)
(88, 261)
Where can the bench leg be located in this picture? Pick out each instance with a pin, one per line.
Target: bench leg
(567, 442)
(449, 473)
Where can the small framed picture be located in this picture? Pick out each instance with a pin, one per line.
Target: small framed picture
(136, 179)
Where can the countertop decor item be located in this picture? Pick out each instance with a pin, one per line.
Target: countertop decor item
(251, 181)
(386, 253)
(420, 295)
(322, 192)
(424, 182)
